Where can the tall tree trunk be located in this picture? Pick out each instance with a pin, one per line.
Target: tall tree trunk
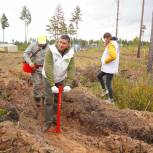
(150, 54)
(117, 17)
(76, 35)
(76, 31)
(141, 24)
(25, 33)
(3, 35)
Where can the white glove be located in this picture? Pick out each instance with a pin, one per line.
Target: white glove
(54, 89)
(67, 89)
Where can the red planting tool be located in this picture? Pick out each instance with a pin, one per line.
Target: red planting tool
(58, 115)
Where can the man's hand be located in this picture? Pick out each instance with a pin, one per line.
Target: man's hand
(33, 67)
(66, 89)
(54, 89)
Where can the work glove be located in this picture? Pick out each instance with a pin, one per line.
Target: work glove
(54, 89)
(67, 89)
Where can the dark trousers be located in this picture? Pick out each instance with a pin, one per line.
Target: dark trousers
(37, 80)
(50, 102)
(106, 84)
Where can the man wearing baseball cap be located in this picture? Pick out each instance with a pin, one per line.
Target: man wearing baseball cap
(34, 56)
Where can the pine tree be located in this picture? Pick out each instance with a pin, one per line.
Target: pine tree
(76, 18)
(4, 24)
(57, 25)
(71, 30)
(25, 15)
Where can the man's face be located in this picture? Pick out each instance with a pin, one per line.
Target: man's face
(62, 44)
(41, 45)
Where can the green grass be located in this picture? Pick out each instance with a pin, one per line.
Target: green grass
(3, 112)
(22, 46)
(136, 94)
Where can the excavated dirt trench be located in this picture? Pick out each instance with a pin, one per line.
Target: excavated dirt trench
(88, 124)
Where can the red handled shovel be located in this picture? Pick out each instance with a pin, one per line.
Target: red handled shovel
(58, 115)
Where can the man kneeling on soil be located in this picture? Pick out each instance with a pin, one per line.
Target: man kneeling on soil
(58, 70)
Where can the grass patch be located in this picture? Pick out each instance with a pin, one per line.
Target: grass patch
(3, 112)
(136, 94)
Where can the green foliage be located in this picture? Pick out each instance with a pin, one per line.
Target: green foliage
(63, 29)
(3, 112)
(4, 21)
(52, 28)
(21, 46)
(76, 18)
(135, 41)
(57, 25)
(25, 15)
(135, 94)
(71, 30)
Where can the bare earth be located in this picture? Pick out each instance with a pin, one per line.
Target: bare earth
(88, 124)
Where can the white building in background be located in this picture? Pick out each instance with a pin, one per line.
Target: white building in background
(8, 48)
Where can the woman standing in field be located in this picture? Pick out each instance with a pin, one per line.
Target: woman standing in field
(109, 65)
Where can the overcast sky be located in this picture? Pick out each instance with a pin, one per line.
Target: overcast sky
(98, 17)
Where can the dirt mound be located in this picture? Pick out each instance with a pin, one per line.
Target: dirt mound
(98, 126)
(15, 93)
(95, 118)
(13, 140)
(90, 74)
(113, 144)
